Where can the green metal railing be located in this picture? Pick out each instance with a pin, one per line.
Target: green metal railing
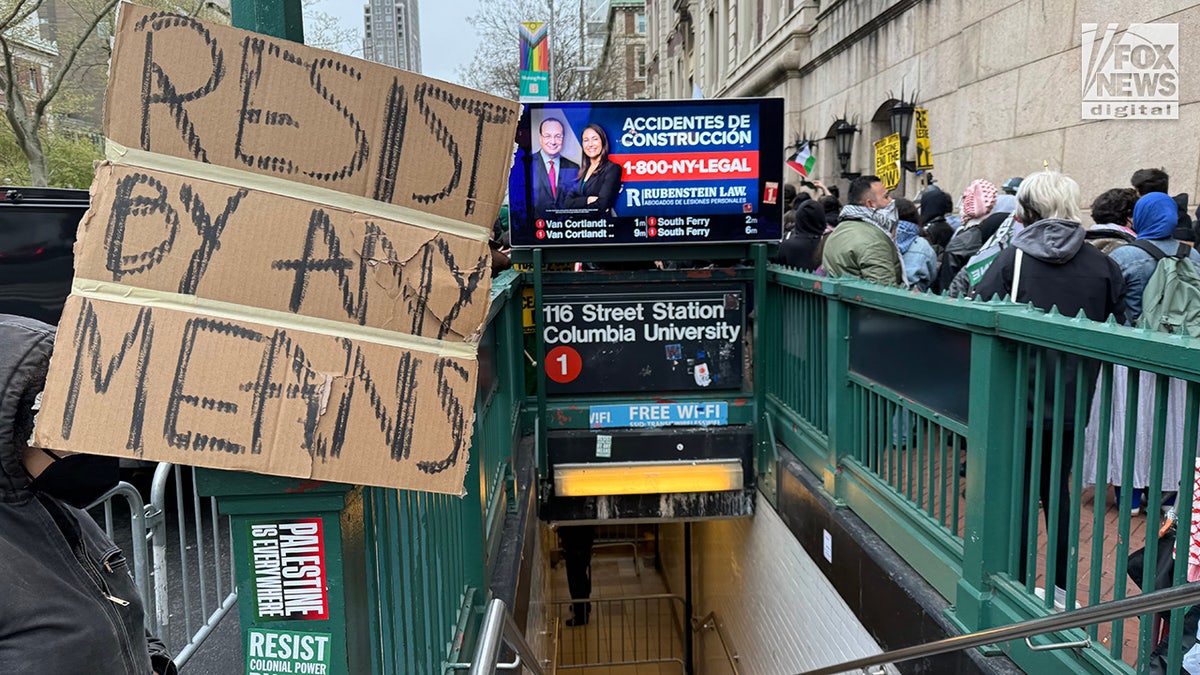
(428, 555)
(947, 465)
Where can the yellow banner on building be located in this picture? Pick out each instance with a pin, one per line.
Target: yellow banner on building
(887, 160)
(921, 138)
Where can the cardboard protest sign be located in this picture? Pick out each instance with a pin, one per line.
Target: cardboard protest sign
(259, 319)
(229, 97)
(179, 234)
(921, 139)
(162, 384)
(887, 160)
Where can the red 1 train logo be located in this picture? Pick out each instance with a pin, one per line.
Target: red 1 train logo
(563, 364)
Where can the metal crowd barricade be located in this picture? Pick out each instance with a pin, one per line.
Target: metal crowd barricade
(623, 631)
(182, 557)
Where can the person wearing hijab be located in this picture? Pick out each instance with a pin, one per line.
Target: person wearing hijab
(1155, 218)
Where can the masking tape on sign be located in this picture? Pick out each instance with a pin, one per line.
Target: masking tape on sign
(116, 152)
(141, 297)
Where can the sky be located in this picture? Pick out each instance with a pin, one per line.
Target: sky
(447, 40)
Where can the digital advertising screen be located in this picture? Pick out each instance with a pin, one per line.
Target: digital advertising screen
(648, 172)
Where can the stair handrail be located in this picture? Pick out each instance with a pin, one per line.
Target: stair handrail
(497, 629)
(1146, 603)
(710, 621)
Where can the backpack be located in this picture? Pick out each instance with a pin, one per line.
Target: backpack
(1171, 300)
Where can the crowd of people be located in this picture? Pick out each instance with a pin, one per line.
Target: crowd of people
(934, 245)
(1028, 240)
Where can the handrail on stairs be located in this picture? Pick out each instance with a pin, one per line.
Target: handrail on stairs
(498, 628)
(710, 621)
(1146, 603)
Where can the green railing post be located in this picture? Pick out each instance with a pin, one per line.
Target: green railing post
(539, 323)
(765, 456)
(278, 18)
(284, 526)
(840, 396)
(286, 532)
(990, 442)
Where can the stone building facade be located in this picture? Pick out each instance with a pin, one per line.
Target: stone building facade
(623, 56)
(1002, 80)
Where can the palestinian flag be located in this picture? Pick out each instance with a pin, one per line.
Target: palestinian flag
(804, 159)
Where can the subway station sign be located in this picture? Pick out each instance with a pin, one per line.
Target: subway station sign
(662, 172)
(605, 341)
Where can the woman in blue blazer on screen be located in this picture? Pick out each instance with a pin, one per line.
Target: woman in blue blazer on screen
(599, 177)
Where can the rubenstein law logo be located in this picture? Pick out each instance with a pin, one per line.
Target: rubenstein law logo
(1134, 75)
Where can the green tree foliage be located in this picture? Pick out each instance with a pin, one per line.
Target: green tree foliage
(70, 158)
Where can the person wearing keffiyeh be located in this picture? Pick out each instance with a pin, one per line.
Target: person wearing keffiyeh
(862, 245)
(978, 202)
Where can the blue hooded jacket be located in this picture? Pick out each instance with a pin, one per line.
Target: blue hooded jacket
(920, 260)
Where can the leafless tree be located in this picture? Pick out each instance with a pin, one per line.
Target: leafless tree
(495, 68)
(325, 31)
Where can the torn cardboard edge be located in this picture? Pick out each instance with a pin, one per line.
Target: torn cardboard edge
(228, 311)
(119, 154)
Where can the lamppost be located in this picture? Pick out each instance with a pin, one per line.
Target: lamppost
(844, 138)
(901, 117)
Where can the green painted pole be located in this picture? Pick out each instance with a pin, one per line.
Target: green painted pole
(278, 18)
(840, 399)
(989, 487)
(539, 324)
(284, 527)
(286, 530)
(766, 455)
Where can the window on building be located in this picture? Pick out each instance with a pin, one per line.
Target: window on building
(639, 58)
(34, 80)
(640, 22)
(732, 15)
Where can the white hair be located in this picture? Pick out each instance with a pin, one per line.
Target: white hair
(1051, 194)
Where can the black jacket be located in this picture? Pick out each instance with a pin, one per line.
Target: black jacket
(68, 602)
(604, 185)
(962, 246)
(566, 178)
(1058, 270)
(800, 248)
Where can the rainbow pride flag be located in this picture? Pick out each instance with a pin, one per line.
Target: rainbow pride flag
(535, 47)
